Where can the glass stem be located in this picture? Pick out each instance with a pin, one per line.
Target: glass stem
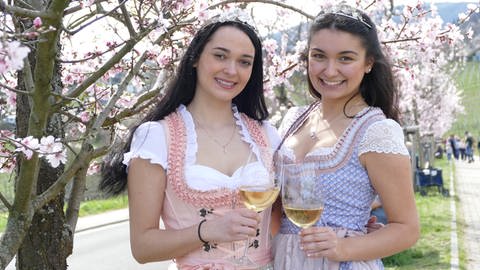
(247, 242)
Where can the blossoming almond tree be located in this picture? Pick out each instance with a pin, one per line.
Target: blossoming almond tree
(91, 66)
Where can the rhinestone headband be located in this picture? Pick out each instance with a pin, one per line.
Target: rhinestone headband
(346, 11)
(234, 14)
(354, 16)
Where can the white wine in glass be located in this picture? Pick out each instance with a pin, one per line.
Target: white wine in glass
(301, 196)
(303, 217)
(259, 198)
(260, 192)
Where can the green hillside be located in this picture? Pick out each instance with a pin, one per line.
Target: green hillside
(468, 80)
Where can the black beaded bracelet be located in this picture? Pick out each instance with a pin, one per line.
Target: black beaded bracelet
(199, 234)
(206, 244)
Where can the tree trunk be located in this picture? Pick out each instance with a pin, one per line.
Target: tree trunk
(49, 240)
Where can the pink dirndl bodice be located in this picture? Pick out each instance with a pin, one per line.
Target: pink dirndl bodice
(185, 207)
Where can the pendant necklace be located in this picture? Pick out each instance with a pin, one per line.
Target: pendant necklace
(223, 146)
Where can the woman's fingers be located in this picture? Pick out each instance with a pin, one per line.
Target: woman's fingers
(318, 241)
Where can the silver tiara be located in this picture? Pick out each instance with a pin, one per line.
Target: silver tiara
(354, 16)
(234, 14)
(340, 11)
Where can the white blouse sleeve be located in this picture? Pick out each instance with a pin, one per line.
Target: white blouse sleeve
(289, 118)
(148, 142)
(272, 134)
(384, 136)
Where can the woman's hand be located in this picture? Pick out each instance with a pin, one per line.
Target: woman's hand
(373, 225)
(235, 225)
(320, 242)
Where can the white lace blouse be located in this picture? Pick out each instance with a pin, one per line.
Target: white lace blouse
(149, 142)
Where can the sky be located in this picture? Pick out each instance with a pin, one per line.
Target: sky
(437, 1)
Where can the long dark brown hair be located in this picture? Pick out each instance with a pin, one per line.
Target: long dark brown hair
(378, 87)
(250, 101)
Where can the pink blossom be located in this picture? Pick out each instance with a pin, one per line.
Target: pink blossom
(473, 7)
(56, 158)
(49, 145)
(37, 22)
(3, 64)
(164, 60)
(8, 164)
(85, 116)
(94, 168)
(31, 35)
(27, 146)
(11, 98)
(16, 54)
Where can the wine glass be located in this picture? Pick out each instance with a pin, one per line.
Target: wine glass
(259, 190)
(301, 201)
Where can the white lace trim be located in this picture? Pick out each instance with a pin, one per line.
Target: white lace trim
(289, 118)
(192, 148)
(149, 140)
(384, 136)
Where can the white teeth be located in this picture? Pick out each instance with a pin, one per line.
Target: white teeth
(222, 82)
(332, 83)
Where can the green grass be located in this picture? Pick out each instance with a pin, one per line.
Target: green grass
(99, 206)
(468, 81)
(86, 208)
(432, 250)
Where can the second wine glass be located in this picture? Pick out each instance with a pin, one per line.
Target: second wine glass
(301, 199)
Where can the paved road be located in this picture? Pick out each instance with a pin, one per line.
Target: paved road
(468, 192)
(105, 248)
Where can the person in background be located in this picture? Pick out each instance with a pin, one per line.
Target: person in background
(461, 147)
(183, 161)
(351, 129)
(448, 150)
(454, 144)
(478, 147)
(469, 147)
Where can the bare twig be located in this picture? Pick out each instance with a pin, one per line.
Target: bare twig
(275, 3)
(5, 201)
(23, 12)
(73, 32)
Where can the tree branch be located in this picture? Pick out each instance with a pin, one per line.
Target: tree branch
(275, 3)
(115, 59)
(73, 32)
(14, 90)
(5, 202)
(128, 22)
(121, 88)
(76, 197)
(81, 161)
(129, 45)
(79, 7)
(23, 12)
(93, 56)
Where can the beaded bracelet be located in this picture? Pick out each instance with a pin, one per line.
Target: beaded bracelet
(206, 244)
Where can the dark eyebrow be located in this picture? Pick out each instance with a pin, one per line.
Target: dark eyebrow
(342, 52)
(228, 51)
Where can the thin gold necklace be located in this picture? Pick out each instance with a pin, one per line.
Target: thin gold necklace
(223, 146)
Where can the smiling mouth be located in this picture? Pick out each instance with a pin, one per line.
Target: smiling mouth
(225, 84)
(332, 83)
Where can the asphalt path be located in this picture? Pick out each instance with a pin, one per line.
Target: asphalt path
(105, 248)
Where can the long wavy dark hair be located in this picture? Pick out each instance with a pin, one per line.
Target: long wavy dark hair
(378, 87)
(181, 90)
